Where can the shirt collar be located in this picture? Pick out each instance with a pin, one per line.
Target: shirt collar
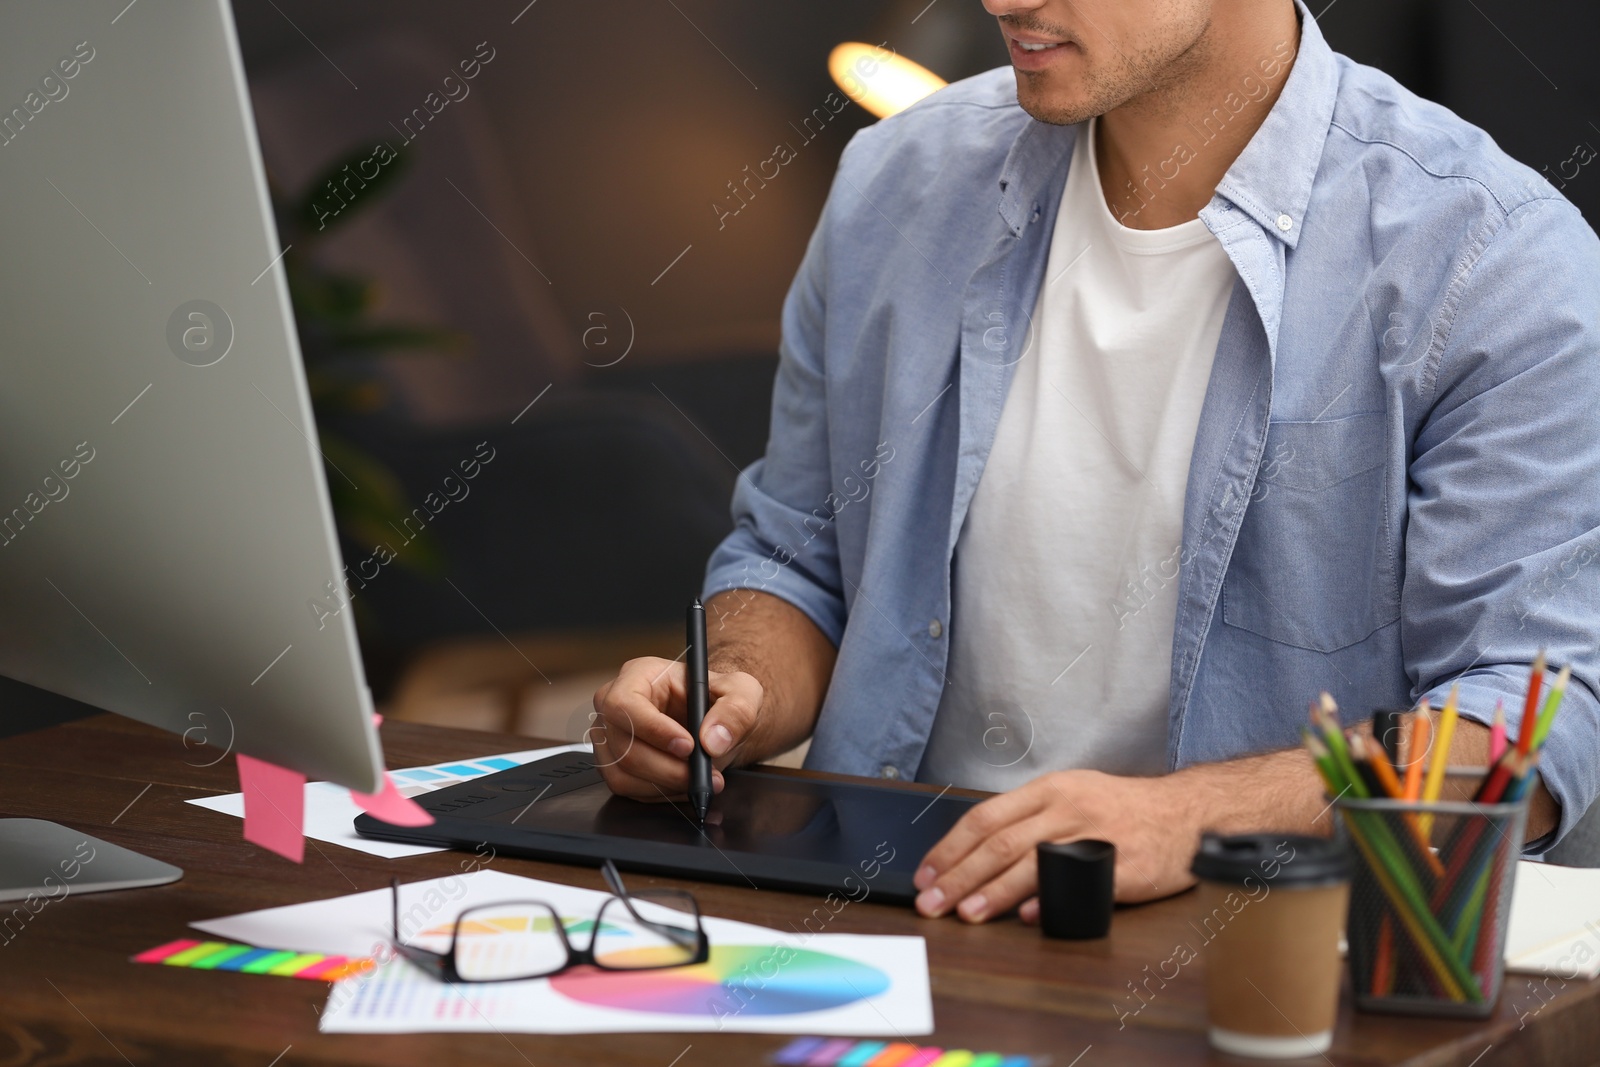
(1270, 181)
(1272, 178)
(1031, 174)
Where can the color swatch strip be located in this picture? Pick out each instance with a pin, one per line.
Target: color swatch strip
(444, 773)
(221, 956)
(846, 1052)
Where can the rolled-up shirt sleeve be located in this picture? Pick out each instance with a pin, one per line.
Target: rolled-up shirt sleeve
(1503, 540)
(784, 541)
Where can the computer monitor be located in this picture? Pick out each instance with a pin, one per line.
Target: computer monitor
(167, 545)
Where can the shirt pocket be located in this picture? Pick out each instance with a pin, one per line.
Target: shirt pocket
(1313, 566)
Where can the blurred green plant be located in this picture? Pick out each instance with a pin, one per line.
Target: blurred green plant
(340, 338)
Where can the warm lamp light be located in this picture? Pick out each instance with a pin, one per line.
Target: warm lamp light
(878, 79)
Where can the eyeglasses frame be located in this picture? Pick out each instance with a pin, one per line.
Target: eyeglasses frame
(442, 965)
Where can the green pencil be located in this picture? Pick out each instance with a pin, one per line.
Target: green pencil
(1329, 721)
(1551, 704)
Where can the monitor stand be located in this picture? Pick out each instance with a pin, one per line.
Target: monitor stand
(43, 862)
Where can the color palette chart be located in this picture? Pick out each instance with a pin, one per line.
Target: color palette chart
(757, 980)
(247, 959)
(839, 983)
(732, 981)
(844, 1052)
(418, 780)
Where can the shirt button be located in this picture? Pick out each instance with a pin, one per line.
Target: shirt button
(889, 771)
(935, 628)
(1285, 223)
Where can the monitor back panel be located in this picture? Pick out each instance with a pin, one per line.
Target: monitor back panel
(165, 529)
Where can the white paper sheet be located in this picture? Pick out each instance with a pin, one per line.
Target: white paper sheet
(844, 985)
(358, 924)
(1555, 921)
(758, 980)
(330, 812)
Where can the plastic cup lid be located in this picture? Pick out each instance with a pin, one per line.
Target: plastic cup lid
(1283, 859)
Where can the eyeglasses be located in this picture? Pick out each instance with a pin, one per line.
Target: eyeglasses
(520, 939)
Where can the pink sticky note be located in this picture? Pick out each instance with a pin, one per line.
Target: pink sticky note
(390, 806)
(161, 952)
(274, 807)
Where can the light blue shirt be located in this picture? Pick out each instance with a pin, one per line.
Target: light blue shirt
(1395, 485)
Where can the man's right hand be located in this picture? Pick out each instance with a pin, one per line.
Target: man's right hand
(640, 742)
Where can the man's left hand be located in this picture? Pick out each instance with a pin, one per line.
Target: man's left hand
(986, 864)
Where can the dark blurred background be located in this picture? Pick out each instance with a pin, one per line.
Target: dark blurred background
(544, 280)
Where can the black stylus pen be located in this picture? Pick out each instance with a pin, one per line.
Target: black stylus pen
(698, 686)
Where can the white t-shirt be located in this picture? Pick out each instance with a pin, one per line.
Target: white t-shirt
(1064, 589)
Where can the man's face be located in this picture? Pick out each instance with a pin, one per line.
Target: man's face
(1099, 54)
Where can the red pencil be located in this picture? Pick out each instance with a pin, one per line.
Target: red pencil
(1495, 784)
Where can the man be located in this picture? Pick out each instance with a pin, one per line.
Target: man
(1128, 399)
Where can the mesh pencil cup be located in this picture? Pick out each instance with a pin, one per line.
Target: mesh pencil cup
(1430, 900)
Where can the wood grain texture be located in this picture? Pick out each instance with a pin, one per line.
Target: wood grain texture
(68, 994)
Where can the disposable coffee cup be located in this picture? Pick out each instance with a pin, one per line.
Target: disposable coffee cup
(1272, 907)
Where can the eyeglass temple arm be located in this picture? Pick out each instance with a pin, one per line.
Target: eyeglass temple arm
(435, 963)
(613, 878)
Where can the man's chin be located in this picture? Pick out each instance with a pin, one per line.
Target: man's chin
(1053, 106)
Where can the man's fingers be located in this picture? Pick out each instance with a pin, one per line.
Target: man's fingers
(736, 703)
(641, 744)
(624, 783)
(630, 713)
(977, 826)
(999, 895)
(981, 872)
(659, 681)
(653, 765)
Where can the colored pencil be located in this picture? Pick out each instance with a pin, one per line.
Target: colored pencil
(1319, 756)
(1486, 950)
(1467, 923)
(1382, 771)
(1470, 848)
(1495, 784)
(1386, 731)
(1484, 945)
(1417, 750)
(1551, 705)
(1386, 784)
(1383, 964)
(1361, 756)
(1327, 715)
(1440, 759)
(1497, 732)
(1530, 709)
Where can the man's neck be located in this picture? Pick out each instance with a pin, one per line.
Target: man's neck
(1162, 154)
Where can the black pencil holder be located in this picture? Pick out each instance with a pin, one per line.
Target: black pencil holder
(1430, 901)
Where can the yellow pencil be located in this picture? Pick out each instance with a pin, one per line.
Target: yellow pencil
(1441, 758)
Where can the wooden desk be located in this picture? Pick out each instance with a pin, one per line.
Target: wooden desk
(68, 994)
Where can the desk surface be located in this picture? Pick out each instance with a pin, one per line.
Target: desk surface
(68, 994)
